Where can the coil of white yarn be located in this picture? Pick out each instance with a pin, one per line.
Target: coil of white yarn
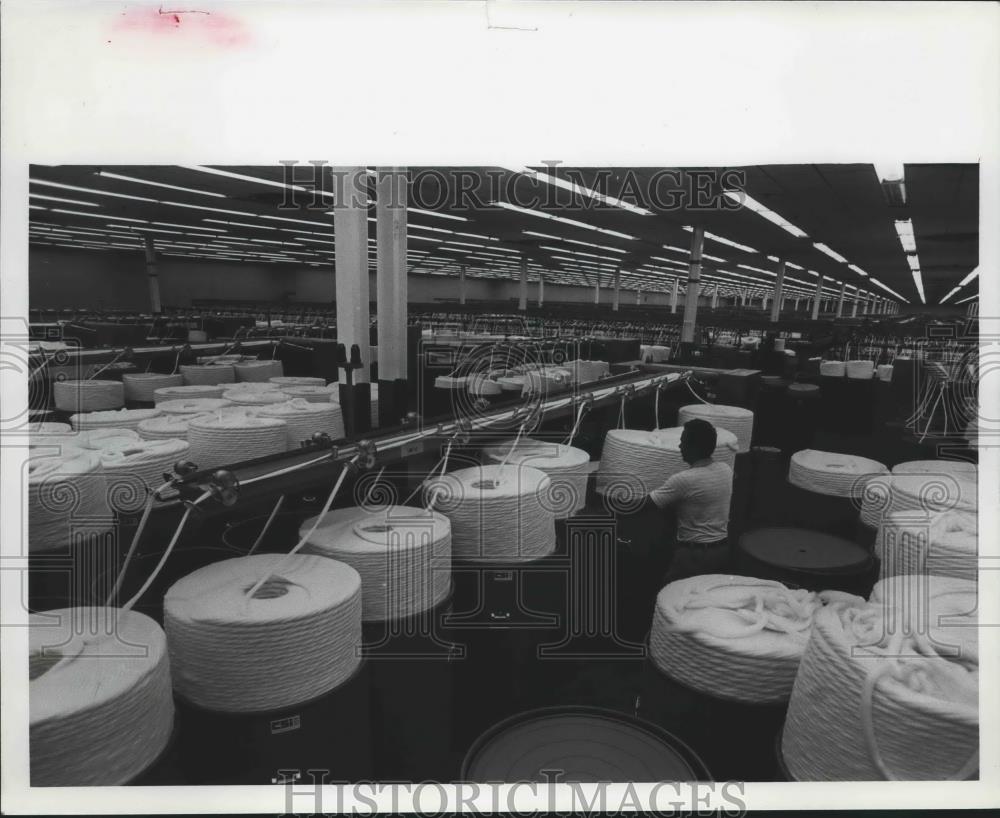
(141, 387)
(297, 638)
(735, 638)
(634, 462)
(877, 698)
(120, 419)
(832, 369)
(46, 427)
(88, 396)
(224, 438)
(258, 370)
(940, 544)
(100, 704)
(244, 397)
(99, 438)
(565, 466)
(187, 392)
(957, 468)
(832, 473)
(253, 387)
(166, 427)
(884, 372)
(67, 498)
(735, 419)
(303, 419)
(313, 394)
(496, 513)
(134, 470)
(402, 554)
(192, 406)
(915, 491)
(207, 374)
(860, 370)
(297, 380)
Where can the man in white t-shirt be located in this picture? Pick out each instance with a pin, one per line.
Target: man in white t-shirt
(700, 496)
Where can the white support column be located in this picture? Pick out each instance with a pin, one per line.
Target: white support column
(152, 275)
(796, 304)
(840, 302)
(541, 289)
(617, 291)
(694, 278)
(522, 301)
(391, 281)
(350, 224)
(817, 298)
(461, 284)
(638, 297)
(854, 307)
(779, 296)
(597, 288)
(763, 302)
(715, 296)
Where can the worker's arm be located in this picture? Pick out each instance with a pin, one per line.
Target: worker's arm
(671, 492)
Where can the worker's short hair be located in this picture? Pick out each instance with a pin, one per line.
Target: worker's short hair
(701, 437)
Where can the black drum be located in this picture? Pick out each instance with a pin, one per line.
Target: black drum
(820, 512)
(807, 559)
(802, 416)
(580, 744)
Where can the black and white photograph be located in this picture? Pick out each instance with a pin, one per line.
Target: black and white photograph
(424, 470)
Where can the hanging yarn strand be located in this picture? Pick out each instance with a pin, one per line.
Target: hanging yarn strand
(576, 425)
(512, 447)
(267, 525)
(135, 541)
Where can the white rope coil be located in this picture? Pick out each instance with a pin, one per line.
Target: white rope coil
(120, 419)
(956, 468)
(313, 394)
(254, 387)
(243, 397)
(735, 419)
(303, 419)
(885, 692)
(832, 473)
(258, 370)
(565, 466)
(634, 463)
(832, 369)
(884, 372)
(860, 370)
(141, 387)
(192, 406)
(167, 427)
(189, 392)
(88, 396)
(295, 639)
(229, 437)
(735, 638)
(100, 705)
(99, 438)
(67, 499)
(940, 544)
(207, 374)
(402, 553)
(134, 470)
(496, 513)
(915, 491)
(282, 381)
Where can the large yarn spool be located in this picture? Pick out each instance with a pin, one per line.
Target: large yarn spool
(860, 370)
(100, 706)
(243, 397)
(67, 499)
(497, 513)
(915, 491)
(565, 465)
(134, 470)
(121, 419)
(282, 381)
(313, 394)
(402, 553)
(188, 392)
(735, 419)
(207, 374)
(141, 386)
(832, 369)
(304, 419)
(99, 438)
(296, 639)
(886, 692)
(220, 439)
(634, 463)
(253, 387)
(258, 370)
(192, 406)
(166, 427)
(832, 473)
(956, 468)
(88, 396)
(884, 372)
(940, 544)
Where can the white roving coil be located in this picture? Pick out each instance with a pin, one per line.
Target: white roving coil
(120, 419)
(939, 544)
(47, 427)
(141, 386)
(832, 473)
(565, 465)
(282, 381)
(100, 704)
(297, 638)
(192, 406)
(207, 374)
(402, 553)
(88, 396)
(243, 397)
(99, 438)
(860, 370)
(258, 370)
(253, 386)
(832, 369)
(497, 513)
(313, 394)
(735, 419)
(956, 468)
(67, 499)
(915, 491)
(228, 437)
(886, 692)
(132, 471)
(303, 419)
(634, 462)
(187, 392)
(166, 427)
(735, 638)
(884, 372)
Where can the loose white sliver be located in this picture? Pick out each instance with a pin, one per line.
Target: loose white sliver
(313, 394)
(832, 473)
(121, 419)
(186, 392)
(192, 406)
(243, 397)
(297, 380)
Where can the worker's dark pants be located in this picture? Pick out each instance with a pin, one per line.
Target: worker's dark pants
(692, 559)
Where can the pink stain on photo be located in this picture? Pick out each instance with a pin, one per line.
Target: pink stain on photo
(192, 24)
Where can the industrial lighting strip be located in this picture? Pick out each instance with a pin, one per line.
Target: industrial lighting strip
(974, 274)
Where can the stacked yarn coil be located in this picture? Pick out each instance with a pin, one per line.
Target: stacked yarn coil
(832, 473)
(100, 704)
(141, 387)
(735, 638)
(860, 370)
(258, 370)
(313, 394)
(497, 513)
(207, 374)
(303, 419)
(100, 438)
(735, 419)
(67, 498)
(192, 406)
(402, 554)
(134, 470)
(297, 638)
(282, 381)
(565, 465)
(247, 397)
(230, 437)
(957, 468)
(120, 419)
(915, 491)
(880, 679)
(832, 369)
(88, 396)
(884, 372)
(188, 392)
(939, 544)
(167, 427)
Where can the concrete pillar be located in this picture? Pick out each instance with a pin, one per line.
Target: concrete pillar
(840, 301)
(796, 305)
(617, 291)
(763, 302)
(461, 284)
(693, 280)
(350, 224)
(391, 281)
(817, 298)
(779, 296)
(715, 296)
(152, 275)
(522, 301)
(673, 296)
(854, 307)
(597, 288)
(638, 297)
(541, 289)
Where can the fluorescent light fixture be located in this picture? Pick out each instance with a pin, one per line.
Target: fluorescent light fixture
(118, 176)
(950, 294)
(296, 221)
(565, 184)
(416, 226)
(424, 238)
(192, 227)
(878, 283)
(857, 269)
(575, 241)
(914, 263)
(205, 207)
(904, 229)
(577, 253)
(969, 277)
(761, 210)
(757, 269)
(831, 253)
(79, 189)
(723, 240)
(97, 215)
(318, 241)
(435, 213)
(36, 207)
(542, 215)
(241, 224)
(968, 298)
(919, 284)
(65, 201)
(713, 258)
